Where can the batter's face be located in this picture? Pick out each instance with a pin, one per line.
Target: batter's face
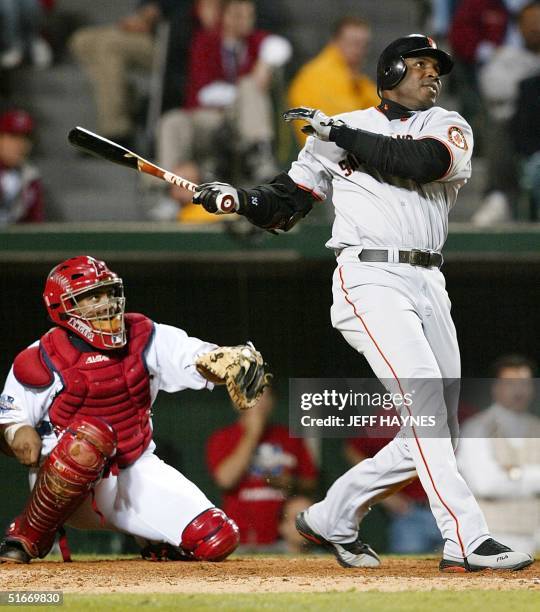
(514, 388)
(421, 86)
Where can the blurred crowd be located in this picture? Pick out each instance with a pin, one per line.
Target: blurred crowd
(219, 83)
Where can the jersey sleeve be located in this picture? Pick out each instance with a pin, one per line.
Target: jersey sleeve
(171, 359)
(309, 173)
(21, 404)
(456, 134)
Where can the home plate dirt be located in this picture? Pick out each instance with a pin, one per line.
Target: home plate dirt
(253, 574)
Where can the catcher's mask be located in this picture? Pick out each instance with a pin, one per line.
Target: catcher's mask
(391, 67)
(85, 297)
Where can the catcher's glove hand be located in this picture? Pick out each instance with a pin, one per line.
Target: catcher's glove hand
(240, 368)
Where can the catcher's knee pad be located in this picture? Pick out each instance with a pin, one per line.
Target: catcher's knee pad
(211, 536)
(63, 482)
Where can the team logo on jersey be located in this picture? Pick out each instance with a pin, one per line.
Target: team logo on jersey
(6, 402)
(456, 137)
(96, 359)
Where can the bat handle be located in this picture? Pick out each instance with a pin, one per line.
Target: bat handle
(165, 175)
(177, 180)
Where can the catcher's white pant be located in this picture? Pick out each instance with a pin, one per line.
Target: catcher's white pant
(398, 316)
(149, 499)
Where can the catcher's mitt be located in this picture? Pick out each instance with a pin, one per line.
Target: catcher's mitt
(240, 368)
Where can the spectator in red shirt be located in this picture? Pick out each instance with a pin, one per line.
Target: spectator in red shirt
(228, 83)
(257, 466)
(478, 28)
(21, 190)
(412, 526)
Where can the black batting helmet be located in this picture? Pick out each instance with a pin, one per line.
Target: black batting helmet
(391, 67)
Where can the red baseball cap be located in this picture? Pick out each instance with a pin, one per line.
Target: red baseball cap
(16, 121)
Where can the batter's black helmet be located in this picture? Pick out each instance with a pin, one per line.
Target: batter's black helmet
(391, 67)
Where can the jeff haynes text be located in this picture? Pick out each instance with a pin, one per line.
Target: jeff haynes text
(373, 420)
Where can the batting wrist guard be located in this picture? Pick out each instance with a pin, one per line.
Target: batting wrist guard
(277, 205)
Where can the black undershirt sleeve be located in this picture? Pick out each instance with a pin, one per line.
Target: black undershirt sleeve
(424, 160)
(277, 205)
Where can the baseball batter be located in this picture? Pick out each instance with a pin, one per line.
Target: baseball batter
(395, 172)
(76, 408)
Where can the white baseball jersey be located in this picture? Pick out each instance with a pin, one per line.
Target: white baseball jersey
(149, 499)
(397, 315)
(170, 360)
(375, 210)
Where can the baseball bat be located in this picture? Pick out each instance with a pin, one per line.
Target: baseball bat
(111, 151)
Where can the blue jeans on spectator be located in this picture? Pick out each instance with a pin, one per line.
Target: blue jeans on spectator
(19, 22)
(414, 532)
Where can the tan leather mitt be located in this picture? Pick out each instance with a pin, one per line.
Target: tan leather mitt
(240, 368)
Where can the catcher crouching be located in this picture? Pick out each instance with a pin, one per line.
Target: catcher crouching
(76, 409)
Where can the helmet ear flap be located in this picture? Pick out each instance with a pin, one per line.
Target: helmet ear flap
(393, 73)
(391, 69)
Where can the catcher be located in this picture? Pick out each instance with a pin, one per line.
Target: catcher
(76, 409)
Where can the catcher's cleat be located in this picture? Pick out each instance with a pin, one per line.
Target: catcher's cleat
(13, 552)
(352, 554)
(164, 552)
(489, 555)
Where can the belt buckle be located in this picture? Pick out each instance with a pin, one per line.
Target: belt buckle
(419, 258)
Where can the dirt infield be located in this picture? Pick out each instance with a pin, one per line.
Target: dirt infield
(254, 575)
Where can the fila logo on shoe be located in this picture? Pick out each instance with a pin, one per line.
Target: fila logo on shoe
(96, 359)
(502, 558)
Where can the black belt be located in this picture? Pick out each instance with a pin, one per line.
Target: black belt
(414, 257)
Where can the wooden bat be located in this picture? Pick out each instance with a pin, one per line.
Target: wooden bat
(111, 151)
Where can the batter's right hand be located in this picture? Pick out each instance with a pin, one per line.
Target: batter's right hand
(318, 124)
(26, 445)
(217, 198)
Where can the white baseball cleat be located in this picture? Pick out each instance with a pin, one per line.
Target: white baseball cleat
(352, 554)
(489, 555)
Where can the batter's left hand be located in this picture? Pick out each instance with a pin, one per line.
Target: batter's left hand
(217, 198)
(319, 124)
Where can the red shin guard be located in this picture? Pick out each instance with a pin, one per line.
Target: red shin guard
(64, 481)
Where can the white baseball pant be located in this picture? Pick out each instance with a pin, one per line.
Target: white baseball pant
(398, 317)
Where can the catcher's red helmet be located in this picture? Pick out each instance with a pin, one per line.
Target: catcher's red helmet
(85, 297)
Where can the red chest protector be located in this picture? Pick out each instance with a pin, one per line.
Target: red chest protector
(111, 385)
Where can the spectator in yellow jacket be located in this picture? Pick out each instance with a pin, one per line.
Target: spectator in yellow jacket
(332, 81)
